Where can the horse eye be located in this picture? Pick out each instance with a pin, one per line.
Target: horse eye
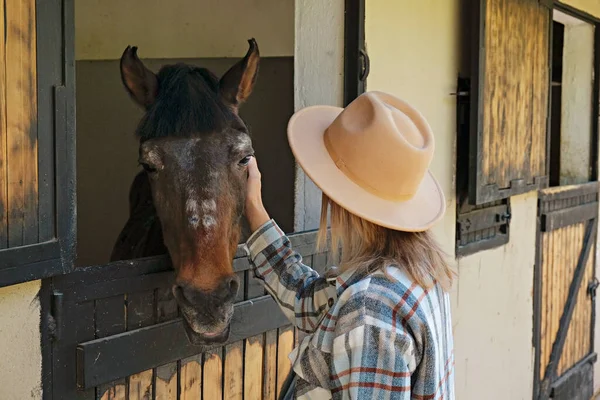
(245, 161)
(148, 168)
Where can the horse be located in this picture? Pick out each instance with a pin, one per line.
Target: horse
(188, 201)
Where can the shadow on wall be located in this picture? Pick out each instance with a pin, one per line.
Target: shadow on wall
(107, 149)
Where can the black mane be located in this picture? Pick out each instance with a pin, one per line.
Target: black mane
(188, 102)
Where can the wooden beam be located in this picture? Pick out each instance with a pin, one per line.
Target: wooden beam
(104, 360)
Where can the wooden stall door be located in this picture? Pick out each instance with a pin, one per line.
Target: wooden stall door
(36, 140)
(117, 334)
(565, 290)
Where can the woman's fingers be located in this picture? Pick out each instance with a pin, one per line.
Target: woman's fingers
(253, 171)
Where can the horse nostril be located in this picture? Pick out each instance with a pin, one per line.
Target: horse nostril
(233, 285)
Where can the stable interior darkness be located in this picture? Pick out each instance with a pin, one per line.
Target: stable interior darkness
(107, 149)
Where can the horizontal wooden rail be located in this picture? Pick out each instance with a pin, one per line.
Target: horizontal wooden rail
(569, 216)
(104, 360)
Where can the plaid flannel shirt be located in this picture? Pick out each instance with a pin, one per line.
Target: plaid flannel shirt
(369, 336)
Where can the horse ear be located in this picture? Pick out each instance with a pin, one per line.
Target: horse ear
(140, 82)
(237, 83)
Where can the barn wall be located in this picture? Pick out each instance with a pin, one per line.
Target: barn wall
(591, 7)
(415, 53)
(183, 28)
(21, 372)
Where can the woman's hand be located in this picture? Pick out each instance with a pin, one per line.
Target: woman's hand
(255, 211)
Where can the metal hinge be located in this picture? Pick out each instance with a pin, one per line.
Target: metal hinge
(592, 288)
(365, 66)
(55, 319)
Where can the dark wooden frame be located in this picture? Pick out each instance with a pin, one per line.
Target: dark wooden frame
(478, 193)
(482, 225)
(78, 362)
(547, 222)
(56, 160)
(356, 60)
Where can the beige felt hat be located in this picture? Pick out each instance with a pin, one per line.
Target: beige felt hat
(372, 158)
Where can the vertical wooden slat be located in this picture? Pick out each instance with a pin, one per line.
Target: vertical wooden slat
(166, 382)
(284, 348)
(233, 377)
(253, 370)
(21, 121)
(3, 136)
(140, 313)
(270, 366)
(167, 376)
(191, 378)
(110, 320)
(212, 381)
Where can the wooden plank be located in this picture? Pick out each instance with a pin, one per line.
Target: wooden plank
(140, 386)
(3, 137)
(565, 319)
(253, 369)
(140, 313)
(21, 122)
(191, 378)
(212, 381)
(511, 98)
(167, 376)
(233, 375)
(284, 347)
(270, 366)
(165, 386)
(569, 216)
(110, 320)
(102, 360)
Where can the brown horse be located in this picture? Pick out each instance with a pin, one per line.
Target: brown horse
(194, 149)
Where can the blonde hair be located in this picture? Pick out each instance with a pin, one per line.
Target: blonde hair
(358, 243)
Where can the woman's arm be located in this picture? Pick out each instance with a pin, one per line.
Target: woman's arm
(298, 289)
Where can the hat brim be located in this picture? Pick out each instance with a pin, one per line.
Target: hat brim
(305, 134)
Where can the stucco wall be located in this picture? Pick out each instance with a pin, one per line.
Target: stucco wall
(20, 353)
(591, 7)
(182, 28)
(414, 47)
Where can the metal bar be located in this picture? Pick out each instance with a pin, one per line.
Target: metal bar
(565, 319)
(104, 360)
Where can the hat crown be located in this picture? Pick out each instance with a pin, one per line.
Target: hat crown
(382, 144)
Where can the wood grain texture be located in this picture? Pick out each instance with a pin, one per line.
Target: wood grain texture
(270, 366)
(3, 136)
(140, 313)
(191, 378)
(167, 376)
(111, 320)
(233, 376)
(21, 122)
(561, 249)
(253, 368)
(212, 381)
(166, 382)
(284, 348)
(515, 92)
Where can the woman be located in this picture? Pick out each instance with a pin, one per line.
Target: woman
(381, 328)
